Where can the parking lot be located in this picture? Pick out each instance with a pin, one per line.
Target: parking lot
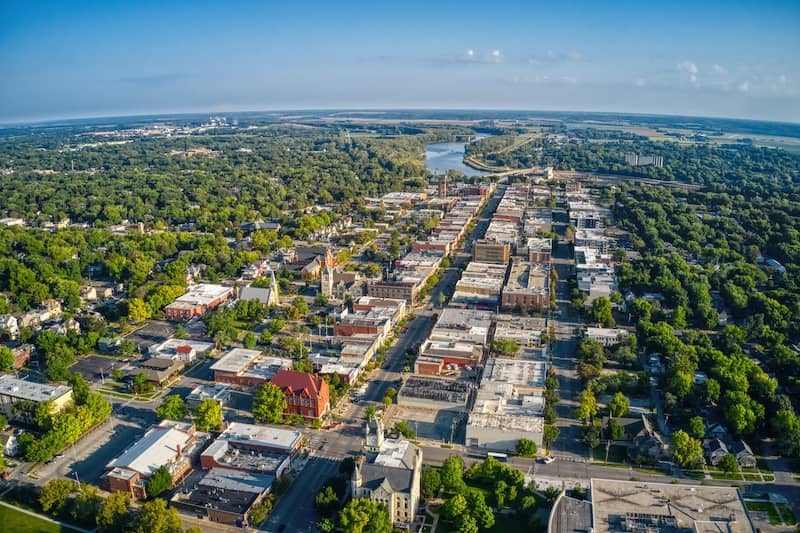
(89, 456)
(95, 368)
(152, 333)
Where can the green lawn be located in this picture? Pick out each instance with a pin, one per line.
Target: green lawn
(13, 520)
(508, 524)
(767, 507)
(786, 512)
(616, 454)
(726, 476)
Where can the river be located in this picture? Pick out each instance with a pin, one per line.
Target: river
(441, 157)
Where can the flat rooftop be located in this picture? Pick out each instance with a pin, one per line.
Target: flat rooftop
(224, 454)
(605, 332)
(28, 390)
(441, 390)
(204, 391)
(159, 446)
(527, 277)
(256, 435)
(203, 294)
(236, 360)
(570, 514)
(619, 506)
(225, 490)
(224, 478)
(519, 372)
(464, 319)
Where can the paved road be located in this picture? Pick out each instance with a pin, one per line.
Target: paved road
(294, 512)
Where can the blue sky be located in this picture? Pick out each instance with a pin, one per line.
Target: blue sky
(85, 58)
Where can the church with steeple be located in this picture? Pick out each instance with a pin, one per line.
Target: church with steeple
(326, 279)
(390, 473)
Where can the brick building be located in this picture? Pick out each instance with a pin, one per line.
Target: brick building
(306, 394)
(198, 300)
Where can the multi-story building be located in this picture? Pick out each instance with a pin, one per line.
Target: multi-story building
(593, 239)
(224, 495)
(253, 448)
(306, 394)
(606, 336)
(527, 285)
(407, 290)
(390, 475)
(488, 251)
(540, 250)
(19, 398)
(169, 445)
(502, 415)
(198, 300)
(247, 368)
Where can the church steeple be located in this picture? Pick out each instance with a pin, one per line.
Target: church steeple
(374, 434)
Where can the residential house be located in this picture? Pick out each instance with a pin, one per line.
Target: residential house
(22, 354)
(109, 344)
(9, 325)
(743, 454)
(8, 444)
(714, 450)
(87, 293)
(640, 437)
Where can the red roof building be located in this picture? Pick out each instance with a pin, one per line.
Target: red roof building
(306, 394)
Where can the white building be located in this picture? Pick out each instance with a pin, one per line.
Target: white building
(502, 416)
(606, 336)
(10, 325)
(181, 349)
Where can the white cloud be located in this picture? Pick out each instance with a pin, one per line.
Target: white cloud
(470, 53)
(744, 86)
(496, 53)
(718, 69)
(690, 68)
(551, 57)
(640, 82)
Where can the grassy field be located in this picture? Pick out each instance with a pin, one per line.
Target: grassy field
(508, 524)
(767, 507)
(19, 522)
(786, 513)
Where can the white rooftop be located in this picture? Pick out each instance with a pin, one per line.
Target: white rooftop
(159, 446)
(519, 372)
(28, 390)
(203, 294)
(393, 453)
(262, 435)
(229, 479)
(236, 360)
(171, 344)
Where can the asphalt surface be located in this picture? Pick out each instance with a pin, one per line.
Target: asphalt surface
(294, 511)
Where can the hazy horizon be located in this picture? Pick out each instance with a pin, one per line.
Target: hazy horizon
(105, 59)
